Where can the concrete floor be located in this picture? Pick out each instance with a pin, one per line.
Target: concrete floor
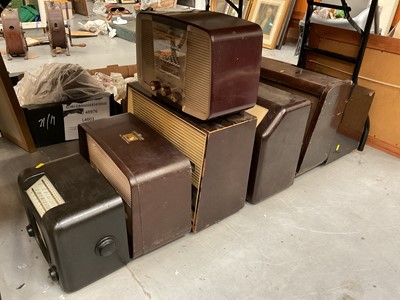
(332, 235)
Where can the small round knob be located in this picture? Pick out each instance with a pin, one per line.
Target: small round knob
(29, 230)
(106, 246)
(53, 274)
(165, 91)
(155, 85)
(176, 97)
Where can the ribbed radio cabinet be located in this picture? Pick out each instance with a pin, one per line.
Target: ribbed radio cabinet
(219, 151)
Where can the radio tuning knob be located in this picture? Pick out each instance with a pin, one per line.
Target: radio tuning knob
(29, 230)
(106, 246)
(155, 85)
(53, 273)
(165, 91)
(176, 97)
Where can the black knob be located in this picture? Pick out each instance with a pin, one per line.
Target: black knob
(155, 85)
(176, 97)
(29, 230)
(165, 91)
(106, 246)
(53, 273)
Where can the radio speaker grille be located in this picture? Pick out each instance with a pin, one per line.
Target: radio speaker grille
(198, 73)
(187, 138)
(101, 161)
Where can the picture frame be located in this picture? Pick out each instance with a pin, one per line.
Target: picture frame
(269, 14)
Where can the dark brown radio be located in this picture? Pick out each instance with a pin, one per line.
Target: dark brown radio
(329, 98)
(281, 119)
(203, 63)
(77, 218)
(56, 28)
(149, 173)
(13, 34)
(219, 151)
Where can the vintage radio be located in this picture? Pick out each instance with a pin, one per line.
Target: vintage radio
(56, 28)
(281, 119)
(73, 210)
(13, 34)
(203, 63)
(219, 151)
(149, 173)
(328, 97)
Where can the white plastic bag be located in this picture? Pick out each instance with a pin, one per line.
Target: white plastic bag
(57, 83)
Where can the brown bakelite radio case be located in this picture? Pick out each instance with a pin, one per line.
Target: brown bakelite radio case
(333, 102)
(219, 151)
(13, 34)
(281, 119)
(78, 220)
(150, 174)
(203, 63)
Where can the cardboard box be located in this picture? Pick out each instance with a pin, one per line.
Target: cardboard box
(126, 71)
(58, 122)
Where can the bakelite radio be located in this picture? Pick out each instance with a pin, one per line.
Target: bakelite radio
(203, 63)
(78, 220)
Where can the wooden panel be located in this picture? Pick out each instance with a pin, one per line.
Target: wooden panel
(13, 124)
(379, 72)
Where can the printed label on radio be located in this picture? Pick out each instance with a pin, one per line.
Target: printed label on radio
(44, 195)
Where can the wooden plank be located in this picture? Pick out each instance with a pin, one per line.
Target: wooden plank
(13, 124)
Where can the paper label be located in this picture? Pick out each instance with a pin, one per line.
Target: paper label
(76, 113)
(44, 195)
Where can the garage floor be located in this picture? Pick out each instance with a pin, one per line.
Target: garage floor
(334, 234)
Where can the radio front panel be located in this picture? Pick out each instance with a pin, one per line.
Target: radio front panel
(196, 62)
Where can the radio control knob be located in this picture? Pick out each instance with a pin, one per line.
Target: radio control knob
(176, 97)
(165, 91)
(53, 274)
(29, 230)
(106, 246)
(155, 85)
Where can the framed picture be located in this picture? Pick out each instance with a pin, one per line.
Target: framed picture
(269, 14)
